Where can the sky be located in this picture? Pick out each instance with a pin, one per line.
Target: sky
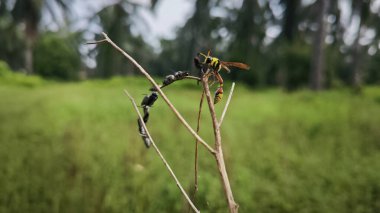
(168, 15)
(162, 23)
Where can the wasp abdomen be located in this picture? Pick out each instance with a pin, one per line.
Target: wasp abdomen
(218, 95)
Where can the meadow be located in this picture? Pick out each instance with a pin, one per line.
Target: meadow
(74, 147)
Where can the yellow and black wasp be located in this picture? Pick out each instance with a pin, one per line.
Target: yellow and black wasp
(214, 65)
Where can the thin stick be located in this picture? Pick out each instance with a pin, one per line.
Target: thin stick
(232, 205)
(196, 146)
(97, 42)
(171, 106)
(196, 149)
(227, 104)
(186, 77)
(159, 153)
(193, 77)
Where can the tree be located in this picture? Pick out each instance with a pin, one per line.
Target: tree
(11, 39)
(193, 37)
(290, 19)
(29, 12)
(248, 31)
(117, 19)
(55, 57)
(361, 11)
(318, 59)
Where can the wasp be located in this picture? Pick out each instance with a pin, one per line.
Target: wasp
(212, 65)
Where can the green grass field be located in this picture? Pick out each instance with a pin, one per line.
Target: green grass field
(75, 148)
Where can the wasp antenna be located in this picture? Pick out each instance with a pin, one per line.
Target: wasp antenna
(203, 55)
(209, 53)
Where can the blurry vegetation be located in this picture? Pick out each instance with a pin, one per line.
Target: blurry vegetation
(74, 147)
(55, 57)
(302, 152)
(28, 14)
(284, 34)
(116, 21)
(10, 77)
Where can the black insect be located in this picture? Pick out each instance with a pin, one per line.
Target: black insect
(149, 100)
(146, 104)
(169, 79)
(143, 134)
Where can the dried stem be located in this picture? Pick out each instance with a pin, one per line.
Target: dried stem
(97, 42)
(227, 104)
(217, 152)
(193, 77)
(233, 207)
(159, 154)
(186, 77)
(171, 106)
(196, 146)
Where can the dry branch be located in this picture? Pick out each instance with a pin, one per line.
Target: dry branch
(159, 153)
(142, 70)
(232, 205)
(196, 146)
(217, 152)
(227, 104)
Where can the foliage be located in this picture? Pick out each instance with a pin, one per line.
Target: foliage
(296, 64)
(10, 77)
(116, 20)
(81, 152)
(11, 39)
(56, 57)
(274, 37)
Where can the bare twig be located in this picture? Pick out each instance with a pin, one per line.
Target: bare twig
(97, 42)
(217, 152)
(161, 156)
(193, 77)
(196, 146)
(196, 149)
(227, 104)
(232, 205)
(144, 72)
(186, 77)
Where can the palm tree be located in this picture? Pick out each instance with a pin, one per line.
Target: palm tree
(29, 12)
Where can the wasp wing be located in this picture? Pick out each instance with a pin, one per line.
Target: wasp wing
(235, 64)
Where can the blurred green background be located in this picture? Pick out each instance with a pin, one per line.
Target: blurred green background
(301, 135)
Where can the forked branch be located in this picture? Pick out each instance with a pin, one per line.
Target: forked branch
(146, 74)
(217, 152)
(232, 205)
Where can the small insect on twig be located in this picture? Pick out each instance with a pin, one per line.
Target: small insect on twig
(179, 75)
(146, 104)
(149, 100)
